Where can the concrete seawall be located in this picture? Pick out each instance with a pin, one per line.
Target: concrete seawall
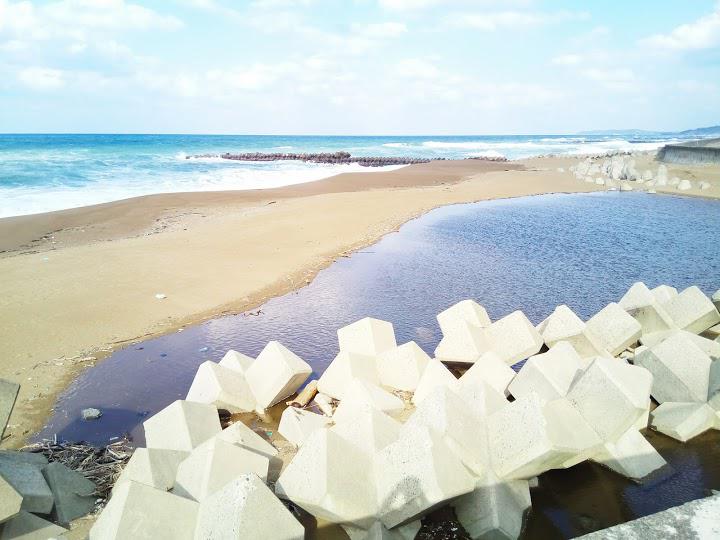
(692, 152)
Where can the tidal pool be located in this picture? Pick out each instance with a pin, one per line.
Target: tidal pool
(528, 253)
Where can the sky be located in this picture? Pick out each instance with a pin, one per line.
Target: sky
(358, 66)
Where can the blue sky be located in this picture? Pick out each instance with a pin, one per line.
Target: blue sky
(357, 66)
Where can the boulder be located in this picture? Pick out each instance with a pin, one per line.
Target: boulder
(532, 435)
(465, 343)
(182, 425)
(367, 336)
(10, 501)
(319, 479)
(343, 369)
(141, 512)
(495, 508)
(663, 293)
(681, 371)
(402, 367)
(27, 480)
(611, 396)
(296, 425)
(448, 416)
(223, 387)
(683, 421)
(564, 325)
(416, 474)
(73, 493)
(466, 311)
(435, 375)
(361, 393)
(245, 508)
(27, 526)
(236, 361)
(614, 328)
(691, 310)
(513, 338)
(367, 429)
(8, 395)
(241, 435)
(153, 467)
(549, 374)
(703, 185)
(491, 370)
(276, 374)
(212, 465)
(684, 185)
(630, 455)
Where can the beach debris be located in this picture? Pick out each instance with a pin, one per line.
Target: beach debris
(91, 413)
(8, 394)
(324, 403)
(305, 396)
(161, 296)
(276, 374)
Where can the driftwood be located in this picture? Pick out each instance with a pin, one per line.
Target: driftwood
(306, 396)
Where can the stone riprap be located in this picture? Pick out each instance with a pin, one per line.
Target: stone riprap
(424, 438)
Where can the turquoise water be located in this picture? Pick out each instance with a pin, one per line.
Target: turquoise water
(40, 173)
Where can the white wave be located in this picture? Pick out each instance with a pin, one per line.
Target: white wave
(282, 147)
(397, 145)
(15, 201)
(487, 154)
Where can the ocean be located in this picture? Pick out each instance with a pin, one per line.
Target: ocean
(41, 173)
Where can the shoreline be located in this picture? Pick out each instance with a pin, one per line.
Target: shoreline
(57, 306)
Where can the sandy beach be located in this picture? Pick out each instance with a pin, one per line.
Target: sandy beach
(78, 284)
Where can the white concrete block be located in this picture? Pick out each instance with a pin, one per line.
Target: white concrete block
(245, 508)
(448, 416)
(491, 370)
(402, 367)
(27, 526)
(241, 435)
(223, 387)
(663, 293)
(638, 295)
(652, 318)
(614, 328)
(683, 421)
(361, 393)
(276, 374)
(564, 325)
(10, 501)
(435, 375)
(681, 371)
(514, 338)
(182, 425)
(480, 398)
(296, 425)
(378, 531)
(691, 310)
(319, 480)
(630, 455)
(549, 374)
(495, 509)
(465, 343)
(716, 299)
(466, 311)
(417, 474)
(611, 395)
(212, 465)
(236, 361)
(141, 512)
(153, 467)
(708, 346)
(343, 369)
(367, 336)
(368, 429)
(531, 436)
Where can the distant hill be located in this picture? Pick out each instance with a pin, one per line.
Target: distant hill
(711, 131)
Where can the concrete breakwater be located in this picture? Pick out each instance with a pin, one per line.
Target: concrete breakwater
(693, 152)
(335, 158)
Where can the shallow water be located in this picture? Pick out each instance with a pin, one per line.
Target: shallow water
(528, 253)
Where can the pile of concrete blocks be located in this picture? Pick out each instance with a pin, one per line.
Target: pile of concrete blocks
(240, 384)
(38, 499)
(196, 480)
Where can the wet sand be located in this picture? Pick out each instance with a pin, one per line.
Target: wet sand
(80, 283)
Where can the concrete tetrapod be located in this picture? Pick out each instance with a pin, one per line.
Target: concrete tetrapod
(378, 531)
(614, 328)
(564, 325)
(245, 508)
(435, 375)
(367, 336)
(182, 425)
(361, 393)
(465, 311)
(275, 374)
(223, 387)
(683, 421)
(402, 367)
(236, 361)
(296, 425)
(368, 429)
(490, 369)
(10, 501)
(343, 369)
(642, 305)
(27, 526)
(141, 512)
(549, 374)
(241, 435)
(691, 310)
(513, 338)
(153, 467)
(463, 342)
(27, 479)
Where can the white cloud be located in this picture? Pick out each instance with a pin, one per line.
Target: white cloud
(495, 20)
(704, 33)
(417, 68)
(381, 30)
(612, 78)
(406, 5)
(567, 60)
(41, 78)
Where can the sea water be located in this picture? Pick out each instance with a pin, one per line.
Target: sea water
(41, 173)
(529, 253)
